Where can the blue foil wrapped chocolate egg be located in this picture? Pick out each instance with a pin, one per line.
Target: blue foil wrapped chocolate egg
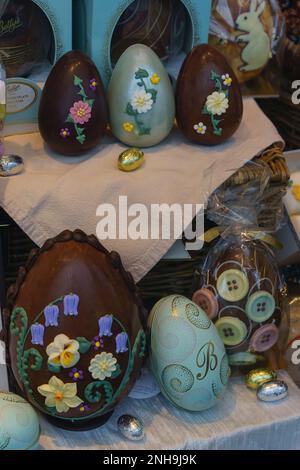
(187, 355)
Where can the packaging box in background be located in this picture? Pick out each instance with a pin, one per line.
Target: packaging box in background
(104, 29)
(34, 34)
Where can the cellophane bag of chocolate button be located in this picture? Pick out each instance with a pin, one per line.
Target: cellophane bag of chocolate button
(26, 38)
(249, 33)
(240, 288)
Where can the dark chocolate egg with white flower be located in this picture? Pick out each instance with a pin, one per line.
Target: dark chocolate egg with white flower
(73, 110)
(209, 105)
(75, 331)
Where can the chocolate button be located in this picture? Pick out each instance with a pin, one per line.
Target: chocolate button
(233, 285)
(231, 330)
(206, 300)
(264, 338)
(242, 359)
(260, 306)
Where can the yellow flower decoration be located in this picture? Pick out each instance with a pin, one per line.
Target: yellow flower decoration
(296, 192)
(128, 127)
(155, 79)
(59, 395)
(63, 352)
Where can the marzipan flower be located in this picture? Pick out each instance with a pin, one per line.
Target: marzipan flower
(81, 112)
(227, 80)
(128, 127)
(217, 103)
(93, 84)
(155, 79)
(37, 334)
(200, 128)
(59, 395)
(102, 366)
(142, 101)
(65, 132)
(63, 352)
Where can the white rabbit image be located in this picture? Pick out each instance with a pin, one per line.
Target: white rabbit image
(257, 52)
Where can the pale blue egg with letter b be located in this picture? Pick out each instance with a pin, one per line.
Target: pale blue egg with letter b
(187, 355)
(19, 423)
(141, 98)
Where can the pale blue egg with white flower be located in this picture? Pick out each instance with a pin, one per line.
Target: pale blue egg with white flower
(19, 423)
(187, 355)
(141, 98)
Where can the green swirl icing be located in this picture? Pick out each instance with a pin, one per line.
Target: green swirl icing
(23, 359)
(93, 395)
(20, 332)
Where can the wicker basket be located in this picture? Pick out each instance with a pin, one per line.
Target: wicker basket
(169, 277)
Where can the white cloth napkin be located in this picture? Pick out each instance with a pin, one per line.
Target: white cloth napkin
(57, 193)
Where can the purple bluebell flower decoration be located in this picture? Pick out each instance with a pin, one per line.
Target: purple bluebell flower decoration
(37, 334)
(71, 303)
(51, 315)
(105, 324)
(121, 343)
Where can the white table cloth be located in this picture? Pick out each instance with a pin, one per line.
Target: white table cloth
(57, 193)
(239, 421)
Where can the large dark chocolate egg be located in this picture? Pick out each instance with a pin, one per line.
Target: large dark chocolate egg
(25, 36)
(73, 111)
(242, 291)
(209, 106)
(76, 337)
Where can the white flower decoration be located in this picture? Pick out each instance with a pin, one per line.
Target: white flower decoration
(59, 395)
(142, 102)
(102, 366)
(63, 352)
(227, 80)
(200, 128)
(217, 103)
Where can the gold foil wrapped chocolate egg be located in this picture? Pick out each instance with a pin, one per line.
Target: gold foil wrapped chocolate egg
(257, 377)
(131, 160)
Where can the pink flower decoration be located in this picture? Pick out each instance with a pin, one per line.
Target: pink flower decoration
(81, 112)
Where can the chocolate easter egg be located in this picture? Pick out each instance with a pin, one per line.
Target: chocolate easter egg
(76, 338)
(141, 99)
(156, 24)
(187, 356)
(73, 111)
(25, 36)
(242, 275)
(19, 423)
(209, 106)
(243, 31)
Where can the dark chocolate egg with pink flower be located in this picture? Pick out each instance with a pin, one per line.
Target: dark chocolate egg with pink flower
(73, 111)
(75, 331)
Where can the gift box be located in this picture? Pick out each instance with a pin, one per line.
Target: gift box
(34, 35)
(170, 28)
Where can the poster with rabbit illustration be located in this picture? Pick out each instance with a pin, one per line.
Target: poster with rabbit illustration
(247, 32)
